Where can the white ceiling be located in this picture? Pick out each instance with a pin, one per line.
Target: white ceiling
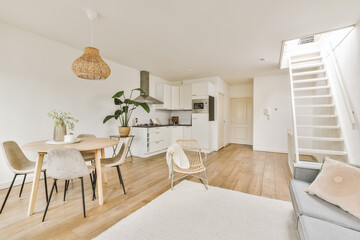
(223, 38)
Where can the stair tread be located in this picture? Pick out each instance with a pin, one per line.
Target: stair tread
(308, 73)
(322, 138)
(313, 96)
(308, 65)
(311, 88)
(305, 54)
(318, 105)
(320, 116)
(320, 126)
(306, 59)
(310, 80)
(323, 151)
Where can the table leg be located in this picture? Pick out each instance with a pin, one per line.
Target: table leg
(99, 176)
(35, 183)
(104, 170)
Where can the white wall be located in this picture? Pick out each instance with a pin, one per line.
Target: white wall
(36, 76)
(348, 57)
(241, 90)
(271, 92)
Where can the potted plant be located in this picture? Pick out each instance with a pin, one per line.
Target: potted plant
(62, 120)
(126, 106)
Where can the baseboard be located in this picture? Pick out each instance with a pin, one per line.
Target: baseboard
(276, 150)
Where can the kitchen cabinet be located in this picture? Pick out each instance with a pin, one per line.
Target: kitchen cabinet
(185, 97)
(163, 93)
(175, 97)
(149, 141)
(203, 89)
(176, 133)
(187, 133)
(201, 130)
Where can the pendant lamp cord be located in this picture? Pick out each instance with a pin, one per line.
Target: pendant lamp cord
(92, 34)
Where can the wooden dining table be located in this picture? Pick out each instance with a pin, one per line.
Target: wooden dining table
(86, 145)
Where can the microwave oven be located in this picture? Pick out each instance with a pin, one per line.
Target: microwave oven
(206, 105)
(200, 105)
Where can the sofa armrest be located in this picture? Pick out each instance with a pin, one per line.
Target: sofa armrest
(306, 172)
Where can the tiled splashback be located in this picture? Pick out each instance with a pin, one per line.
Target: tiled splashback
(184, 116)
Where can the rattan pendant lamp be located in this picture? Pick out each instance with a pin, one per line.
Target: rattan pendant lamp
(90, 65)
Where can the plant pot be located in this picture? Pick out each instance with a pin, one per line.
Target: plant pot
(124, 131)
(59, 132)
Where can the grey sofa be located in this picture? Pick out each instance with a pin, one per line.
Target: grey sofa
(317, 219)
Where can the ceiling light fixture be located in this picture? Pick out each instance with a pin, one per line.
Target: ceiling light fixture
(90, 65)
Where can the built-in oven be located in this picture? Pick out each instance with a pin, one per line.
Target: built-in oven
(200, 105)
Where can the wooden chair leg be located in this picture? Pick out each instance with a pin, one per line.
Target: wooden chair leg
(120, 178)
(7, 195)
(83, 195)
(22, 185)
(48, 203)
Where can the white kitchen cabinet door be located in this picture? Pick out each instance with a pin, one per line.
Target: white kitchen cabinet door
(200, 130)
(163, 93)
(203, 89)
(167, 96)
(185, 97)
(176, 133)
(175, 97)
(187, 133)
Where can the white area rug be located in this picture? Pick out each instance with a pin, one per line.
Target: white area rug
(191, 212)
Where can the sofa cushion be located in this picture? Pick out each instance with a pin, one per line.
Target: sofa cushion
(314, 229)
(338, 183)
(312, 206)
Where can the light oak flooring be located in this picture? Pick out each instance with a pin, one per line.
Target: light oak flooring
(234, 167)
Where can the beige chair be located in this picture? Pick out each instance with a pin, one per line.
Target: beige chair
(66, 164)
(197, 165)
(19, 164)
(117, 160)
(87, 156)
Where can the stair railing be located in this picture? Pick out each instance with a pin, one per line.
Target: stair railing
(295, 139)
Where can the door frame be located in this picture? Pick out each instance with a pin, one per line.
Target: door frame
(249, 141)
(221, 108)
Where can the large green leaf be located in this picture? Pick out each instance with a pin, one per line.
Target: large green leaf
(118, 94)
(128, 101)
(117, 114)
(125, 109)
(145, 106)
(140, 90)
(117, 101)
(107, 118)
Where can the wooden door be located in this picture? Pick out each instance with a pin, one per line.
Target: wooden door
(241, 121)
(221, 122)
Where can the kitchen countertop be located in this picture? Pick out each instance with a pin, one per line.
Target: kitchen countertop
(165, 125)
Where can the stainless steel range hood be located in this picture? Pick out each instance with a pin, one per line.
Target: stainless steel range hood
(144, 85)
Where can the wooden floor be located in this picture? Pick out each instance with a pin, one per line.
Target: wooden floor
(235, 167)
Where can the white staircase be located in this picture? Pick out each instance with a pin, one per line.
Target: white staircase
(316, 129)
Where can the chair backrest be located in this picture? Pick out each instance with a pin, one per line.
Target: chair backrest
(86, 136)
(15, 158)
(192, 150)
(65, 163)
(121, 156)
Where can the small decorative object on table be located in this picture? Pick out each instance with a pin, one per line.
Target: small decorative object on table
(126, 108)
(62, 120)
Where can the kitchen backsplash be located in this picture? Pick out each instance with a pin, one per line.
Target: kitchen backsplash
(164, 116)
(184, 116)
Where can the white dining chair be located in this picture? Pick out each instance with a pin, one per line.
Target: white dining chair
(19, 164)
(117, 160)
(67, 164)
